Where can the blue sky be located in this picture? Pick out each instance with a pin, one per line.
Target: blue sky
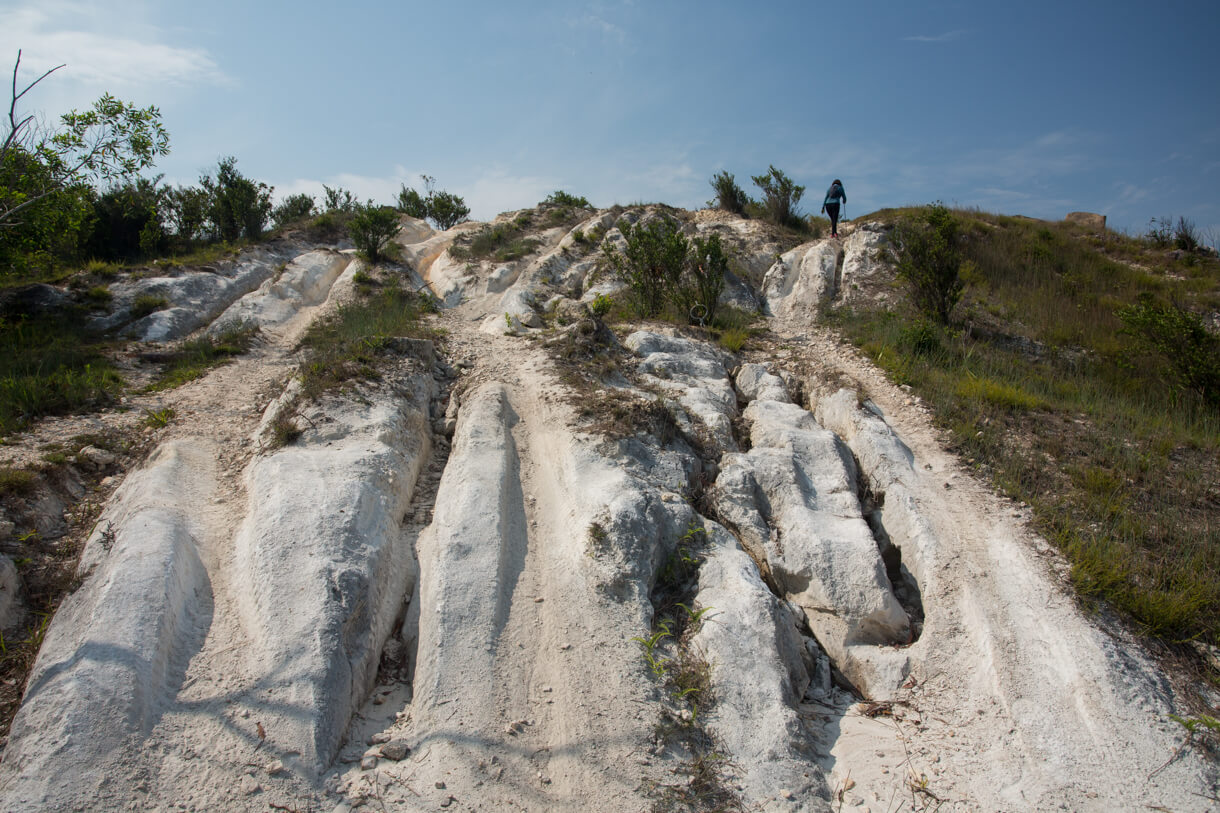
(1035, 108)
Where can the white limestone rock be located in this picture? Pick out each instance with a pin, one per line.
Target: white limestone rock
(695, 373)
(758, 673)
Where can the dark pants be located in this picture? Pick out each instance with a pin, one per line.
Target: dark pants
(832, 209)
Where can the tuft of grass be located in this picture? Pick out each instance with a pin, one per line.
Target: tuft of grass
(16, 481)
(144, 304)
(50, 365)
(158, 418)
(194, 358)
(1043, 386)
(348, 345)
(284, 430)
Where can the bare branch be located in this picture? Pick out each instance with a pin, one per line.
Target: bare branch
(16, 127)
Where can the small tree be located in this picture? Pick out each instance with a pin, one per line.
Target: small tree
(703, 282)
(780, 197)
(372, 228)
(412, 203)
(1179, 335)
(447, 210)
(444, 209)
(925, 250)
(561, 198)
(236, 205)
(292, 208)
(729, 196)
(651, 264)
(339, 200)
(109, 142)
(186, 209)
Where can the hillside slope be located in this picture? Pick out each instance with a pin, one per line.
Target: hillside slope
(545, 565)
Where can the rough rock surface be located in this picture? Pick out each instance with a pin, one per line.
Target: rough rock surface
(378, 618)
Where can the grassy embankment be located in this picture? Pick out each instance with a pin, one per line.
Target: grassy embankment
(1043, 387)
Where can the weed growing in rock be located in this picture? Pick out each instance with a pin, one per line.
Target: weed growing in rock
(284, 430)
(144, 304)
(158, 418)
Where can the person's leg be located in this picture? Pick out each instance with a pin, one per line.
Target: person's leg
(832, 209)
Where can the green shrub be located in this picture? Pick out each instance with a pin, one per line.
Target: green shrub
(1193, 352)
(1185, 236)
(145, 304)
(444, 209)
(412, 203)
(292, 209)
(780, 197)
(733, 339)
(652, 263)
(237, 205)
(926, 253)
(661, 267)
(339, 200)
(16, 481)
(729, 196)
(371, 228)
(447, 210)
(703, 281)
(601, 305)
(920, 337)
(561, 198)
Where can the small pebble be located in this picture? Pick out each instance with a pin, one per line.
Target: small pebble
(368, 763)
(274, 767)
(379, 738)
(440, 785)
(785, 794)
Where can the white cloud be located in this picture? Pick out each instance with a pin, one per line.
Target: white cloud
(112, 51)
(497, 191)
(948, 36)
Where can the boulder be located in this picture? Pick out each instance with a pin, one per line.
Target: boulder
(1089, 220)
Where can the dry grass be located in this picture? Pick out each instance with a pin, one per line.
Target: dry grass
(1042, 388)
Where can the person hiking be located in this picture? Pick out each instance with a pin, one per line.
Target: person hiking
(830, 206)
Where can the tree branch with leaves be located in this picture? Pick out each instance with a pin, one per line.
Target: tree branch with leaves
(110, 141)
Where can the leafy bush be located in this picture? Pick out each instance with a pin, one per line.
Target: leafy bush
(729, 196)
(780, 197)
(293, 208)
(561, 198)
(371, 228)
(447, 210)
(651, 265)
(703, 282)
(661, 267)
(339, 199)
(1185, 236)
(601, 305)
(926, 253)
(237, 205)
(124, 217)
(1181, 336)
(444, 209)
(186, 209)
(412, 203)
